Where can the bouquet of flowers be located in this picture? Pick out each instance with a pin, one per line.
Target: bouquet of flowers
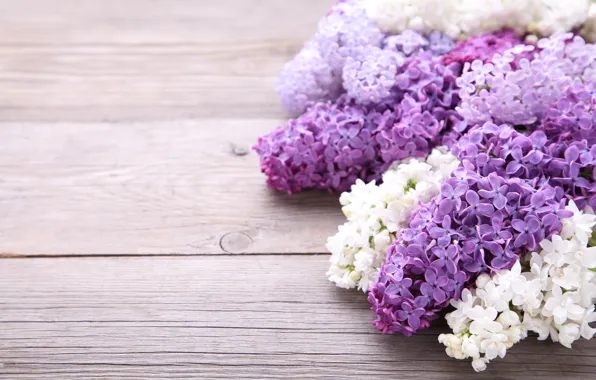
(461, 134)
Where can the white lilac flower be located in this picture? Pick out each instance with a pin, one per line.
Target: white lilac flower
(553, 16)
(552, 296)
(376, 213)
(461, 18)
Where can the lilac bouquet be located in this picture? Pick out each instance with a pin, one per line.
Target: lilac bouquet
(463, 140)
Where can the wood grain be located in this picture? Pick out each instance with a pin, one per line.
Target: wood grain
(189, 187)
(88, 60)
(222, 317)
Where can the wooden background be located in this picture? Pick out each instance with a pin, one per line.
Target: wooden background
(137, 238)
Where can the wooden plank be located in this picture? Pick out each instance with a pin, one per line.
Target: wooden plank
(222, 317)
(87, 60)
(185, 188)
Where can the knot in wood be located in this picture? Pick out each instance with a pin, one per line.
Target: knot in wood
(238, 150)
(235, 242)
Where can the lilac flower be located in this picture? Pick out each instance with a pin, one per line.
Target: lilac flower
(439, 43)
(528, 229)
(572, 117)
(411, 312)
(370, 77)
(334, 144)
(482, 47)
(493, 188)
(431, 287)
(443, 234)
(484, 217)
(307, 79)
(475, 206)
(408, 42)
(315, 74)
(528, 87)
(344, 32)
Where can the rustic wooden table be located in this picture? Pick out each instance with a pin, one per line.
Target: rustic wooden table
(138, 239)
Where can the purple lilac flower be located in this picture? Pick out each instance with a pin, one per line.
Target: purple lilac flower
(315, 74)
(307, 79)
(572, 117)
(345, 55)
(440, 43)
(523, 94)
(332, 145)
(370, 77)
(344, 32)
(408, 42)
(482, 47)
(328, 147)
(486, 214)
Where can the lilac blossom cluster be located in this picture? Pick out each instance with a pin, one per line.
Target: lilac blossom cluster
(333, 144)
(350, 54)
(482, 47)
(496, 205)
(315, 74)
(522, 94)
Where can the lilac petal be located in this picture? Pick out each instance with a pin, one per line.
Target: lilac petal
(521, 240)
(439, 295)
(516, 153)
(538, 138)
(486, 194)
(494, 180)
(518, 225)
(442, 281)
(531, 242)
(468, 247)
(571, 154)
(445, 206)
(414, 322)
(550, 219)
(485, 209)
(420, 302)
(430, 276)
(444, 241)
(534, 157)
(494, 248)
(460, 190)
(426, 289)
(513, 167)
(415, 250)
(405, 292)
(500, 202)
(446, 190)
(446, 222)
(472, 197)
(533, 225)
(436, 232)
(406, 307)
(537, 199)
(401, 315)
(500, 262)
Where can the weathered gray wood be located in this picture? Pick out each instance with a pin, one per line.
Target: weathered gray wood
(222, 317)
(88, 60)
(150, 188)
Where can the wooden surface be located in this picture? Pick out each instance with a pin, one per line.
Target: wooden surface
(137, 238)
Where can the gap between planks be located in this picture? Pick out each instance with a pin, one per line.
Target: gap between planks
(223, 317)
